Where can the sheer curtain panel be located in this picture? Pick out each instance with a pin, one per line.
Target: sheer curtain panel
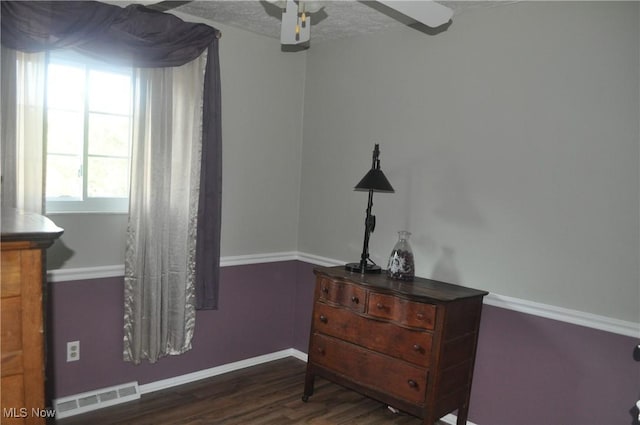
(23, 88)
(163, 211)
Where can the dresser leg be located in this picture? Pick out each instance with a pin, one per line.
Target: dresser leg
(309, 380)
(463, 412)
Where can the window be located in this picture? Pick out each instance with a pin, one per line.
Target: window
(88, 135)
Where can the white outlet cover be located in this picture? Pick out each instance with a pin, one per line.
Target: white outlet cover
(73, 351)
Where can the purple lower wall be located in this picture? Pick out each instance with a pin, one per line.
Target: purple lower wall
(529, 370)
(534, 371)
(254, 318)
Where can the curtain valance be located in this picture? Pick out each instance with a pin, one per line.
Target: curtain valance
(135, 35)
(139, 37)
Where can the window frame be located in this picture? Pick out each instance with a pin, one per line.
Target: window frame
(88, 204)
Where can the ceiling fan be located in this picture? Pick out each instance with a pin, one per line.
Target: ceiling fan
(295, 29)
(297, 15)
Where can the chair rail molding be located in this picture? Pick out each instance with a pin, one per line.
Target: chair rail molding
(548, 311)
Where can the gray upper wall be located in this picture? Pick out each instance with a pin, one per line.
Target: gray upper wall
(511, 139)
(512, 143)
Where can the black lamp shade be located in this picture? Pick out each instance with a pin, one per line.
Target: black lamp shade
(375, 180)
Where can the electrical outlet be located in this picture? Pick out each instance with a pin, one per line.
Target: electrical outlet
(73, 351)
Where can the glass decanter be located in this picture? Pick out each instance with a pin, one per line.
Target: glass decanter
(401, 265)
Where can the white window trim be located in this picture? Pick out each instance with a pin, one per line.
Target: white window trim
(89, 205)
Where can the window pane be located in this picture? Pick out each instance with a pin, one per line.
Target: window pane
(108, 135)
(64, 176)
(65, 132)
(65, 88)
(109, 92)
(108, 177)
(89, 124)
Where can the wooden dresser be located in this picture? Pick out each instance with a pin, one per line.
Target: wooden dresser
(410, 345)
(24, 238)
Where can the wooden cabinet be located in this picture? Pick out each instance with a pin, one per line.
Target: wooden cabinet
(410, 345)
(24, 238)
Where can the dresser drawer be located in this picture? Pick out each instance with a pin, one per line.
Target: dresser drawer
(341, 293)
(402, 311)
(370, 369)
(411, 345)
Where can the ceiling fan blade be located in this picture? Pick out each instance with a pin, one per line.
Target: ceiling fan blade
(165, 5)
(427, 12)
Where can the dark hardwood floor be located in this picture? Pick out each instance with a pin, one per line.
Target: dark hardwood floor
(265, 394)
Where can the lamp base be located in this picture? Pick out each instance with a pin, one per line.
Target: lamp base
(369, 268)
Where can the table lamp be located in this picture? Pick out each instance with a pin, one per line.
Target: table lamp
(373, 181)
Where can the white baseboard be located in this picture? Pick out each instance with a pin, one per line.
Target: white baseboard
(548, 311)
(299, 355)
(452, 419)
(218, 370)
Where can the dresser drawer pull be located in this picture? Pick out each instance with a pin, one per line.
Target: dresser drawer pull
(412, 383)
(323, 318)
(420, 316)
(325, 289)
(320, 351)
(380, 306)
(417, 347)
(355, 299)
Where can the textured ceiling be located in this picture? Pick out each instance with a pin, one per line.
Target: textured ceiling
(337, 19)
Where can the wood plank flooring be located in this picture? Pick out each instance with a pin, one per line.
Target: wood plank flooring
(265, 394)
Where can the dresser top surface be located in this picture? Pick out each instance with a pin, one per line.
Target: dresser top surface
(17, 225)
(417, 288)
